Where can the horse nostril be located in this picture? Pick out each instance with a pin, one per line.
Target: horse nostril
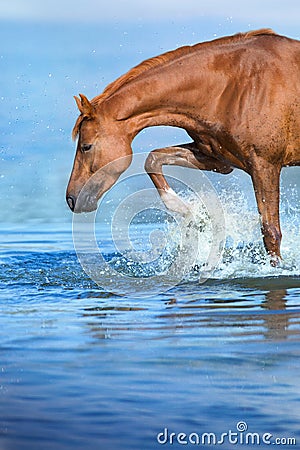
(71, 202)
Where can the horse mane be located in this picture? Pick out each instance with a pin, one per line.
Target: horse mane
(171, 55)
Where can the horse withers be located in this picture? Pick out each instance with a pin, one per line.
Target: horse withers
(237, 97)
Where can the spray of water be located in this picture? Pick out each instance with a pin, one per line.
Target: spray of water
(152, 249)
(244, 254)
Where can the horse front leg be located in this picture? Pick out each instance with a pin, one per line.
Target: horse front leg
(183, 155)
(266, 183)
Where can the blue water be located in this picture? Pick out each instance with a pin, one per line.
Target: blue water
(85, 368)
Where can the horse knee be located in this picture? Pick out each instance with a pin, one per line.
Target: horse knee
(151, 165)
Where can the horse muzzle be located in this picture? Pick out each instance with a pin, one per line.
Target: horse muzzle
(71, 201)
(83, 204)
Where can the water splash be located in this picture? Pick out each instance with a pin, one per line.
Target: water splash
(243, 253)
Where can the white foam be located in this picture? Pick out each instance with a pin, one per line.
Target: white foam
(244, 254)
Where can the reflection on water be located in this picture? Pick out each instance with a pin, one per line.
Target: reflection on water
(273, 318)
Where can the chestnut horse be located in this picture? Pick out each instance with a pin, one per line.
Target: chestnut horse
(237, 97)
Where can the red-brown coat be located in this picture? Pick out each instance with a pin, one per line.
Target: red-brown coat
(238, 99)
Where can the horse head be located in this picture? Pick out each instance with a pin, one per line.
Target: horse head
(103, 153)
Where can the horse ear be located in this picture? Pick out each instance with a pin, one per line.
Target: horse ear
(78, 102)
(84, 105)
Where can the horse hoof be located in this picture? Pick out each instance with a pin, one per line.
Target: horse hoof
(277, 262)
(174, 203)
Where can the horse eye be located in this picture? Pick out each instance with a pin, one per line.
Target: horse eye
(86, 147)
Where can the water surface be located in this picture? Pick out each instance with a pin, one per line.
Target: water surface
(82, 368)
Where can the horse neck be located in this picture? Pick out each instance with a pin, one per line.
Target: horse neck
(163, 98)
